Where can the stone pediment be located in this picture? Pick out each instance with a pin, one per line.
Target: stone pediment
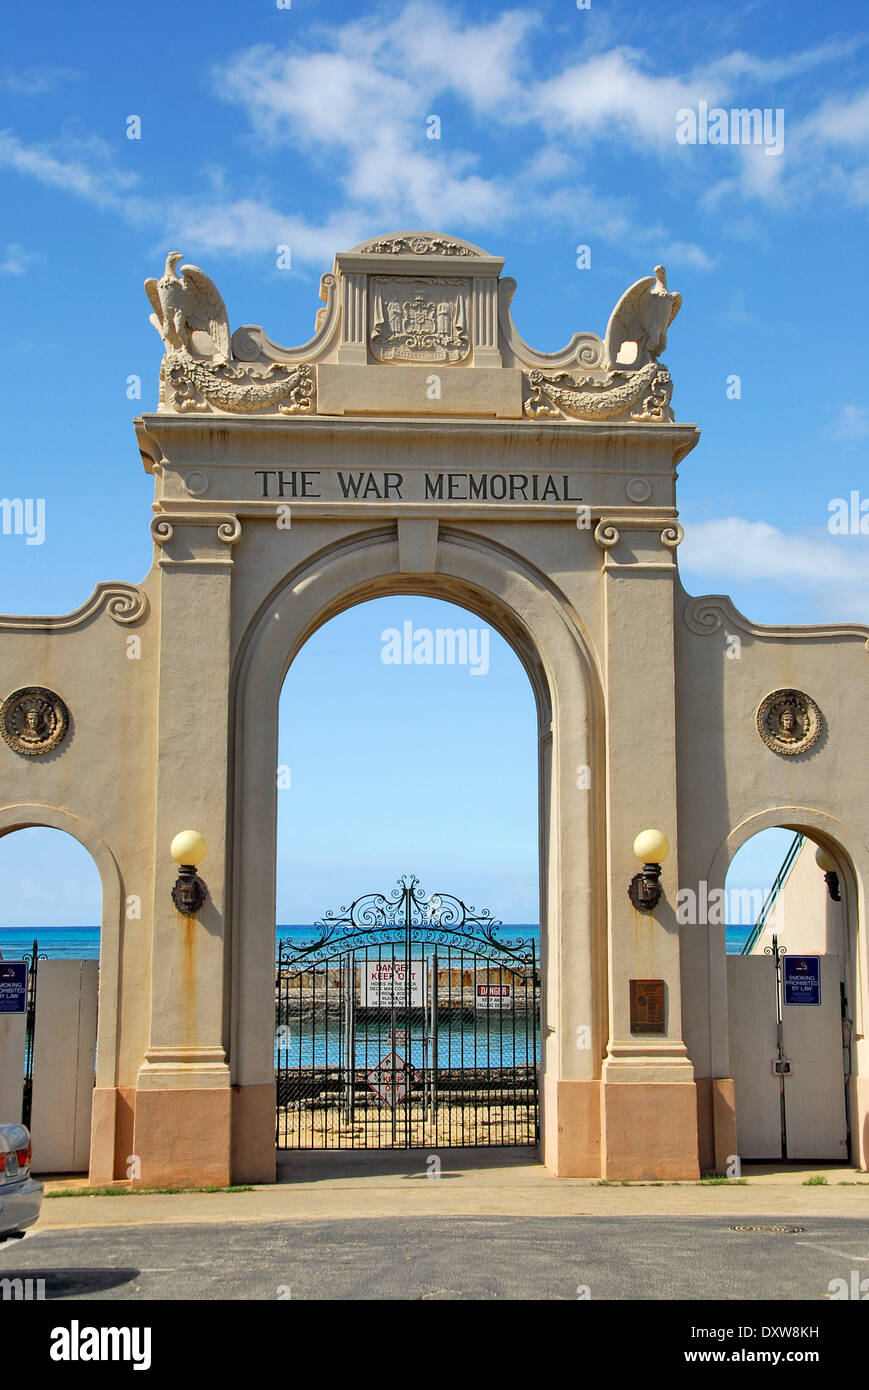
(415, 323)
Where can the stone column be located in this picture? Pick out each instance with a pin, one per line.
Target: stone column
(353, 347)
(574, 1014)
(648, 1097)
(487, 352)
(182, 1119)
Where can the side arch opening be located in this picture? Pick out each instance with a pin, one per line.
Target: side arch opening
(50, 937)
(795, 993)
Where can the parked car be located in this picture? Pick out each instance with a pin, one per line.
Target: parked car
(20, 1196)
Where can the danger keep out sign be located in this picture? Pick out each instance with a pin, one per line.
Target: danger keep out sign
(494, 996)
(388, 984)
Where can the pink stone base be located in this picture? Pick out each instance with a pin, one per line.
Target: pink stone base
(649, 1130)
(617, 1130)
(253, 1133)
(182, 1138)
(571, 1147)
(111, 1133)
(716, 1123)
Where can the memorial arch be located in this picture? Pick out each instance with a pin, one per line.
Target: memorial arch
(417, 444)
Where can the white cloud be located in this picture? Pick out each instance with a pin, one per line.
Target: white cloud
(316, 98)
(481, 63)
(35, 81)
(364, 107)
(14, 260)
(354, 99)
(83, 167)
(611, 94)
(841, 123)
(851, 422)
(249, 225)
(740, 64)
(679, 253)
(824, 569)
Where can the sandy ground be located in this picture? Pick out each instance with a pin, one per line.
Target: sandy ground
(406, 1126)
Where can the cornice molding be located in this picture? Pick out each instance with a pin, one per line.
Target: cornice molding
(125, 604)
(710, 613)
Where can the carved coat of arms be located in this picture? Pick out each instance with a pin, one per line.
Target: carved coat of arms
(419, 320)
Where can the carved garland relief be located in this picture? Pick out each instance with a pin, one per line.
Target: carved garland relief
(193, 384)
(645, 393)
(417, 246)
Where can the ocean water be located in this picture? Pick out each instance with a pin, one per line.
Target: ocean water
(83, 943)
(58, 943)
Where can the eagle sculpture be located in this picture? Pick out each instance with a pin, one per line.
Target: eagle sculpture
(642, 316)
(189, 311)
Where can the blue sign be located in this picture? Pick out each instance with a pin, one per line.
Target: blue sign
(802, 979)
(13, 987)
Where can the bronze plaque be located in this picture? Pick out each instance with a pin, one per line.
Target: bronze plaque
(647, 1006)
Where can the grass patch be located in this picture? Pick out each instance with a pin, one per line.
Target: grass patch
(140, 1191)
(819, 1180)
(716, 1180)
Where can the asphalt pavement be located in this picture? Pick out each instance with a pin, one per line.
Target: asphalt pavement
(444, 1258)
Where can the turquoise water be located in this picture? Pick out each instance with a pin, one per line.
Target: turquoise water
(59, 943)
(83, 943)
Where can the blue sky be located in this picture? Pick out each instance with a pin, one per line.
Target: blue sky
(307, 126)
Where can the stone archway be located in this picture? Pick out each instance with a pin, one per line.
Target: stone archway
(105, 1103)
(539, 623)
(417, 444)
(852, 864)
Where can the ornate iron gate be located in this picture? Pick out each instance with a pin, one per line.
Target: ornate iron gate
(408, 1023)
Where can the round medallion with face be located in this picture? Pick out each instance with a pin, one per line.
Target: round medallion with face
(33, 720)
(789, 722)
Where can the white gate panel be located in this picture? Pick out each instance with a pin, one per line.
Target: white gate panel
(753, 1044)
(63, 1064)
(815, 1088)
(13, 1038)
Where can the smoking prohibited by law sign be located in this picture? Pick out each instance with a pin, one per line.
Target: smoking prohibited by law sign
(13, 987)
(802, 979)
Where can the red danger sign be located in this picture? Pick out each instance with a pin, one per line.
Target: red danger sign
(494, 996)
